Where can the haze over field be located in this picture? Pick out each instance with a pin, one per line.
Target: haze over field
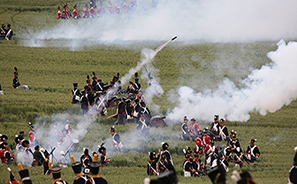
(211, 21)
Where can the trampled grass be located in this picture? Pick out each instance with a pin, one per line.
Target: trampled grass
(52, 70)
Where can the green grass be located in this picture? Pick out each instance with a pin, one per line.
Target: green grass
(52, 70)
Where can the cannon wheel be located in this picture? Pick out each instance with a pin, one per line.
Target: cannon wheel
(157, 122)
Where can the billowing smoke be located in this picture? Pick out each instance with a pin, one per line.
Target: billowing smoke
(211, 21)
(264, 90)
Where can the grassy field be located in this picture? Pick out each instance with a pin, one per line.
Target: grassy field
(52, 70)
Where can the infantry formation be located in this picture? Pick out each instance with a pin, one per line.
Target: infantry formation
(98, 9)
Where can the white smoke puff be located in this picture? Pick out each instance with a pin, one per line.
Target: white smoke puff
(265, 90)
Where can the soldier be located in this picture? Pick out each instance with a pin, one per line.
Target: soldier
(75, 94)
(193, 129)
(239, 159)
(12, 179)
(32, 137)
(122, 118)
(86, 12)
(38, 156)
(92, 12)
(145, 112)
(100, 10)
(223, 131)
(116, 140)
(85, 160)
(95, 179)
(3, 140)
(137, 86)
(215, 126)
(137, 110)
(62, 160)
(129, 111)
(5, 156)
(199, 143)
(3, 30)
(185, 130)
(234, 144)
(142, 126)
(80, 177)
(64, 13)
(293, 171)
(252, 152)
(102, 151)
(24, 174)
(19, 137)
(56, 173)
(130, 88)
(9, 33)
(152, 166)
(88, 89)
(163, 164)
(205, 138)
(84, 102)
(198, 164)
(211, 153)
(166, 153)
(59, 14)
(15, 81)
(188, 163)
(75, 13)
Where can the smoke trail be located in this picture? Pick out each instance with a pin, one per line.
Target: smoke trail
(265, 90)
(212, 21)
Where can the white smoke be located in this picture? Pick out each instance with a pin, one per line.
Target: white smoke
(211, 21)
(265, 90)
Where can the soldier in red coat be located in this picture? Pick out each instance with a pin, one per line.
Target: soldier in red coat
(206, 139)
(86, 12)
(59, 13)
(75, 13)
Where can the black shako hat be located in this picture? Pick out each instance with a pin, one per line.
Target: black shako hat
(76, 167)
(56, 172)
(94, 167)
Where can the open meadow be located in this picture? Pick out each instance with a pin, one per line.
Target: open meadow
(51, 70)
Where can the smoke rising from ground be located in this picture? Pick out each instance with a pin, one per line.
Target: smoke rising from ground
(211, 21)
(264, 90)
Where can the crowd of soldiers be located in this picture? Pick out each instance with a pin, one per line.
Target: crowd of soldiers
(218, 154)
(98, 9)
(6, 34)
(79, 176)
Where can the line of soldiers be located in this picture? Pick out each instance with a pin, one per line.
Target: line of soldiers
(6, 33)
(97, 9)
(80, 177)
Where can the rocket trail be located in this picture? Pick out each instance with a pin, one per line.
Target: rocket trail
(162, 46)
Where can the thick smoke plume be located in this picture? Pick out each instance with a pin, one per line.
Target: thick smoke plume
(265, 90)
(211, 21)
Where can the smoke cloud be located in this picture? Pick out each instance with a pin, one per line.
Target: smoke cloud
(264, 90)
(211, 21)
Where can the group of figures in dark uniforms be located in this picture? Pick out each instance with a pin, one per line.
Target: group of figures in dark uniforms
(215, 154)
(6, 33)
(80, 177)
(98, 9)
